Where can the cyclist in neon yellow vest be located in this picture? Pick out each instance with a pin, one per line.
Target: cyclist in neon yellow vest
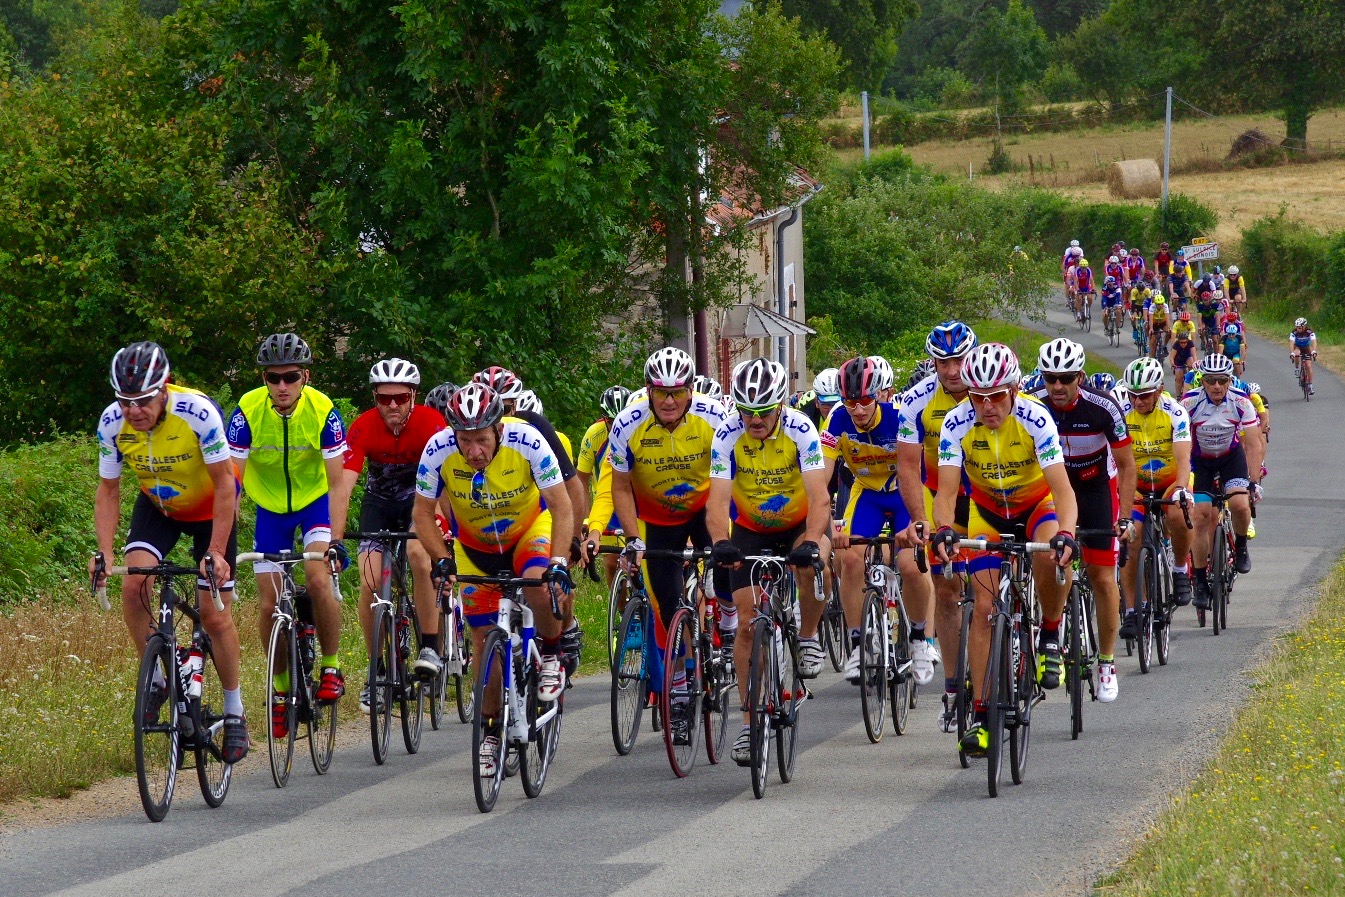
(289, 444)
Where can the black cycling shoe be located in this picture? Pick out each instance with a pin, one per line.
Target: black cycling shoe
(1242, 561)
(1048, 672)
(236, 741)
(681, 732)
(1181, 588)
(1128, 627)
(1203, 597)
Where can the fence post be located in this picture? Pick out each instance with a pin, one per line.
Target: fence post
(864, 103)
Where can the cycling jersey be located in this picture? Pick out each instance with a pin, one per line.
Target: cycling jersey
(592, 448)
(920, 422)
(1216, 428)
(669, 469)
(767, 475)
(1072, 256)
(492, 509)
(392, 457)
(1114, 271)
(1232, 345)
(1163, 262)
(285, 453)
(169, 460)
(1111, 298)
(1153, 436)
(1088, 429)
(559, 445)
(1181, 354)
(1083, 279)
(1302, 341)
(1184, 327)
(1134, 265)
(870, 454)
(1003, 467)
(1235, 284)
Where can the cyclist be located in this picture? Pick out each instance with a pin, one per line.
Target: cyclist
(390, 438)
(1140, 295)
(592, 454)
(1113, 269)
(188, 490)
(923, 369)
(1134, 268)
(1084, 287)
(502, 484)
(1111, 303)
(1158, 321)
(438, 397)
(1006, 449)
(920, 424)
(1234, 345)
(1235, 285)
(1101, 468)
(1207, 307)
(1303, 349)
(1067, 264)
(660, 458)
(1179, 278)
(887, 378)
(768, 479)
(1101, 381)
(864, 431)
(1227, 446)
(710, 388)
(1185, 353)
(826, 394)
(1161, 433)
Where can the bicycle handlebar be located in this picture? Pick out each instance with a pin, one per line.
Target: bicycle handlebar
(160, 569)
(686, 554)
(513, 583)
(380, 535)
(921, 561)
(1023, 548)
(284, 557)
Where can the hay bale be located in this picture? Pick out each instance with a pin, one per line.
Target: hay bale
(1135, 179)
(1249, 143)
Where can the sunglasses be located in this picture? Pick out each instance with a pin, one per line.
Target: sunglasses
(478, 487)
(392, 398)
(290, 377)
(991, 398)
(138, 401)
(660, 395)
(1216, 381)
(762, 413)
(1060, 378)
(862, 402)
(1147, 394)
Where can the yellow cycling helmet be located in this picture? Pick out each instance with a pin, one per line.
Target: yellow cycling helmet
(1159, 300)
(1083, 263)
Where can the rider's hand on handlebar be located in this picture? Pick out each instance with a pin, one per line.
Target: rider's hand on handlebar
(558, 576)
(222, 570)
(444, 570)
(342, 555)
(592, 539)
(632, 555)
(1065, 547)
(805, 554)
(944, 542)
(726, 554)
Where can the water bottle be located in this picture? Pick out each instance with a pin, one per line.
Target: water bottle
(780, 654)
(1167, 550)
(307, 650)
(193, 674)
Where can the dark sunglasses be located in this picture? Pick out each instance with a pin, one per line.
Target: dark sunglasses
(139, 401)
(990, 398)
(288, 377)
(392, 398)
(478, 487)
(1216, 381)
(1060, 378)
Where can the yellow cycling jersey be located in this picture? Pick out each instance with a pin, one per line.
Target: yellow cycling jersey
(592, 448)
(1187, 328)
(491, 508)
(669, 469)
(767, 475)
(1152, 436)
(1003, 467)
(920, 421)
(170, 460)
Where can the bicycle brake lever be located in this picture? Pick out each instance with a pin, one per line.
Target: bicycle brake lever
(99, 591)
(214, 586)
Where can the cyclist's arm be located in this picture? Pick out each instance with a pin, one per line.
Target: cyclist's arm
(107, 514)
(338, 495)
(623, 500)
(225, 512)
(717, 508)
(908, 479)
(1066, 507)
(427, 531)
(557, 497)
(1181, 456)
(819, 504)
(1126, 473)
(945, 499)
(577, 493)
(1255, 444)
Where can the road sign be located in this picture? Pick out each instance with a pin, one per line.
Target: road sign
(1201, 252)
(1200, 241)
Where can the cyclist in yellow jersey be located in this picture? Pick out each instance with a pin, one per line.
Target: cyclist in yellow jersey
(289, 443)
(592, 455)
(919, 427)
(509, 507)
(768, 479)
(1160, 432)
(1009, 451)
(173, 439)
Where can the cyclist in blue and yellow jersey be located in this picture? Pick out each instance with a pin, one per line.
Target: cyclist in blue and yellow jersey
(289, 443)
(501, 484)
(1233, 343)
(593, 472)
(863, 432)
(660, 457)
(768, 480)
(173, 439)
(923, 409)
(1006, 449)
(1303, 349)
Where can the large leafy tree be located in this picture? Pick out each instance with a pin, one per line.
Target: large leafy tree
(1005, 50)
(866, 31)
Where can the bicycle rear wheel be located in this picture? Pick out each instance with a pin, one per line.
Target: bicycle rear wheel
(282, 657)
(212, 772)
(873, 648)
(789, 698)
(156, 735)
(998, 694)
(901, 687)
(1162, 623)
(1144, 614)
(1024, 696)
(382, 673)
(1074, 660)
(834, 635)
(763, 675)
(463, 681)
(682, 683)
(617, 598)
(489, 690)
(630, 675)
(716, 705)
(534, 757)
(1218, 577)
(410, 688)
(320, 717)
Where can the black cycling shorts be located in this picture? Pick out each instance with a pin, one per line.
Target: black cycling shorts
(380, 514)
(154, 531)
(665, 577)
(753, 543)
(1230, 470)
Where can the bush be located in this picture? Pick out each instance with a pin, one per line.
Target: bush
(1185, 218)
(888, 165)
(1306, 266)
(1060, 83)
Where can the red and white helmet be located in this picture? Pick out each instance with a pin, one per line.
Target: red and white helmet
(991, 366)
(504, 381)
(474, 407)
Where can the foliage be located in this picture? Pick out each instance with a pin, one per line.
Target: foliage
(1306, 266)
(945, 87)
(1061, 83)
(1005, 50)
(865, 31)
(1138, 47)
(1183, 219)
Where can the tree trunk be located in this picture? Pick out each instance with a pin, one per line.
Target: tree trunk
(1296, 124)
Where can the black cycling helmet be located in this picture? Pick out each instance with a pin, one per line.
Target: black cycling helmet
(438, 397)
(614, 399)
(859, 379)
(139, 368)
(283, 348)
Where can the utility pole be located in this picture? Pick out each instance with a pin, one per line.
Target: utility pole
(864, 104)
(1167, 148)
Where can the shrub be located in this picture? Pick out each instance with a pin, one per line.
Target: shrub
(1060, 83)
(1306, 266)
(1185, 218)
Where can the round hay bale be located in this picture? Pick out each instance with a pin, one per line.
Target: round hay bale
(1135, 179)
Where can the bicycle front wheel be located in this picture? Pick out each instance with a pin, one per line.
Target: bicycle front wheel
(763, 674)
(901, 686)
(1074, 659)
(1024, 696)
(873, 664)
(617, 598)
(963, 707)
(410, 688)
(382, 673)
(463, 681)
(212, 772)
(630, 675)
(156, 730)
(282, 658)
(998, 694)
(1144, 626)
(1218, 576)
(488, 763)
(683, 689)
(717, 705)
(534, 753)
(788, 701)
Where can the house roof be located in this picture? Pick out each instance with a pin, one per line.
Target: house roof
(740, 205)
(752, 322)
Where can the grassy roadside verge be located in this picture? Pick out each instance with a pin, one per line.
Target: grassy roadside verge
(1265, 817)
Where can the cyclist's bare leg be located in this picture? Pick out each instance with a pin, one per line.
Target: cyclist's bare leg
(744, 602)
(326, 612)
(220, 626)
(985, 588)
(1130, 571)
(852, 585)
(1240, 506)
(371, 571)
(1050, 593)
(1108, 600)
(1178, 533)
(138, 600)
(947, 613)
(916, 591)
(1203, 517)
(422, 589)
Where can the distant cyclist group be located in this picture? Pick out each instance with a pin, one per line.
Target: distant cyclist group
(683, 478)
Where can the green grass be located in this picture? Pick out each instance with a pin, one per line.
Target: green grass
(1265, 817)
(1026, 343)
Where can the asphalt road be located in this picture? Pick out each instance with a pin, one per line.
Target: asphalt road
(900, 817)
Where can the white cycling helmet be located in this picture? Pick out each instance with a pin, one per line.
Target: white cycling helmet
(885, 378)
(1300, 322)
(1073, 244)
(1233, 269)
(708, 386)
(827, 385)
(528, 401)
(991, 366)
(1216, 364)
(1254, 388)
(1218, 295)
(1113, 261)
(394, 370)
(639, 395)
(1143, 375)
(669, 368)
(1061, 356)
(760, 382)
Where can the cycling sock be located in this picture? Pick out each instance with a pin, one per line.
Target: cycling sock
(1106, 658)
(949, 685)
(550, 647)
(854, 636)
(429, 640)
(233, 702)
(331, 660)
(283, 681)
(1240, 541)
(1050, 629)
(978, 712)
(1180, 569)
(728, 617)
(918, 631)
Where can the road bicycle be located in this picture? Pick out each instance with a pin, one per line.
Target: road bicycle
(1084, 316)
(831, 629)
(179, 701)
(1111, 320)
(1220, 569)
(458, 666)
(508, 708)
(885, 675)
(1302, 373)
(293, 646)
(1140, 334)
(1153, 585)
(1079, 637)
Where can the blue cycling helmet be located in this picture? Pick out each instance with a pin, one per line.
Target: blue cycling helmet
(1033, 382)
(951, 339)
(1103, 381)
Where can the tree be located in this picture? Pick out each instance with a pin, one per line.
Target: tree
(866, 31)
(1005, 50)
